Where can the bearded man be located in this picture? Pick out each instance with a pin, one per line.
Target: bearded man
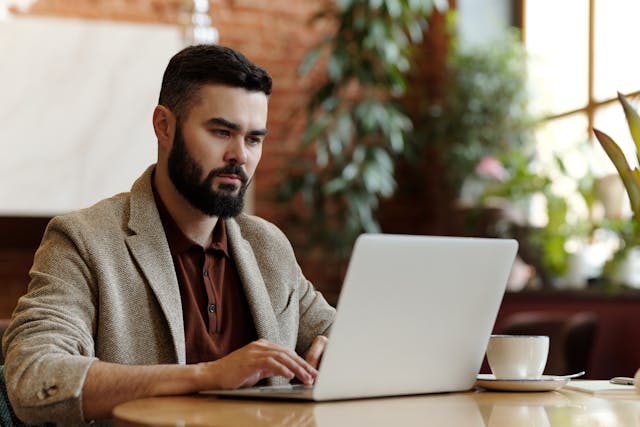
(169, 289)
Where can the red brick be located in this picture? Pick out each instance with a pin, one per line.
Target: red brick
(275, 34)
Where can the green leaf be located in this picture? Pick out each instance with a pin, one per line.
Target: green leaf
(313, 131)
(630, 178)
(320, 97)
(383, 159)
(359, 154)
(391, 51)
(634, 122)
(416, 31)
(362, 205)
(350, 172)
(377, 34)
(420, 6)
(397, 141)
(344, 5)
(372, 179)
(441, 5)
(394, 7)
(360, 22)
(330, 103)
(397, 82)
(335, 143)
(322, 156)
(335, 185)
(345, 128)
(335, 67)
(309, 62)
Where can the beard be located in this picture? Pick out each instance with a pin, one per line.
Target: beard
(186, 173)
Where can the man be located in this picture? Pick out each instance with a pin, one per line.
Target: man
(169, 289)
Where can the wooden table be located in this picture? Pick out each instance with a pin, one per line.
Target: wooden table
(564, 408)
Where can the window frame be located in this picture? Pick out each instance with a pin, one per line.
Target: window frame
(592, 105)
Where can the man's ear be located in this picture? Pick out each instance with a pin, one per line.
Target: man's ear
(164, 125)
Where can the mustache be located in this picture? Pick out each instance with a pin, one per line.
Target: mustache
(231, 169)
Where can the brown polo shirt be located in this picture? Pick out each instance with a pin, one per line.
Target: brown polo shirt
(217, 319)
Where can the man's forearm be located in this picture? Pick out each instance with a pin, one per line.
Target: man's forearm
(109, 384)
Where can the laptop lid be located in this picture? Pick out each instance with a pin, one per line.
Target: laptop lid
(414, 315)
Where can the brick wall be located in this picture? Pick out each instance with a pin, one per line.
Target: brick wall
(275, 34)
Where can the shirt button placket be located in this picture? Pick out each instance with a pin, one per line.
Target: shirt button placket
(212, 307)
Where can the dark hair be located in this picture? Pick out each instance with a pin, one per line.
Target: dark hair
(195, 66)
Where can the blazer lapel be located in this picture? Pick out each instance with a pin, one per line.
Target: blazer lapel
(149, 247)
(253, 284)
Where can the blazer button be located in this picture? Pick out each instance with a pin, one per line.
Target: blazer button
(212, 308)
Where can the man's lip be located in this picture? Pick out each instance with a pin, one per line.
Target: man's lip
(228, 178)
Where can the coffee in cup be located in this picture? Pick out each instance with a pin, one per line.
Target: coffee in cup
(517, 356)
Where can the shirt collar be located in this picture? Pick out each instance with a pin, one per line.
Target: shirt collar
(178, 242)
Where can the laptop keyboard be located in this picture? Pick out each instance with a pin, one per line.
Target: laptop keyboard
(287, 388)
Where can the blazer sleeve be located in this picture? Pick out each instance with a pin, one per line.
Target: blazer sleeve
(316, 314)
(49, 344)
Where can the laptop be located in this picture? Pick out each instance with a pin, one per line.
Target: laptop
(414, 316)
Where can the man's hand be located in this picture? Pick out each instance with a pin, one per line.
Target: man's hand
(315, 352)
(108, 384)
(253, 362)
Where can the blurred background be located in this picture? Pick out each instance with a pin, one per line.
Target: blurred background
(459, 117)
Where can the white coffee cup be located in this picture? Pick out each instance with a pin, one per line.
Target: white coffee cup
(517, 356)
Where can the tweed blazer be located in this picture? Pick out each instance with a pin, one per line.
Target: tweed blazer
(103, 286)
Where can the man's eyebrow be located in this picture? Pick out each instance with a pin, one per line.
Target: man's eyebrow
(234, 126)
(224, 122)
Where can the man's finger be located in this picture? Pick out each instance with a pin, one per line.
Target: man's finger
(302, 370)
(314, 354)
(274, 359)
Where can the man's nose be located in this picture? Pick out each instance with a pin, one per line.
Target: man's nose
(236, 151)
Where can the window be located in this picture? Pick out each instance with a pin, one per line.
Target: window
(582, 53)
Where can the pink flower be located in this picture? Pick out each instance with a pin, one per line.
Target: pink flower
(490, 167)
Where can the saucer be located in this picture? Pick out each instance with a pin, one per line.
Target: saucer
(544, 383)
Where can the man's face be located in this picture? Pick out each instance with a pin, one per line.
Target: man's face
(217, 148)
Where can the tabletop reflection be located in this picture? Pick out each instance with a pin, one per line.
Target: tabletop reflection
(473, 409)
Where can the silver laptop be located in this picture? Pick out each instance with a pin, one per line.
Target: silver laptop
(414, 316)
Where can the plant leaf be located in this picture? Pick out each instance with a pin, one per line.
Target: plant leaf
(633, 120)
(309, 62)
(630, 179)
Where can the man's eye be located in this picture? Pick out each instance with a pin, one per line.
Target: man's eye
(221, 132)
(254, 139)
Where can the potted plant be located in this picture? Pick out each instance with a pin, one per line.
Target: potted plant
(483, 110)
(630, 175)
(356, 126)
(628, 230)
